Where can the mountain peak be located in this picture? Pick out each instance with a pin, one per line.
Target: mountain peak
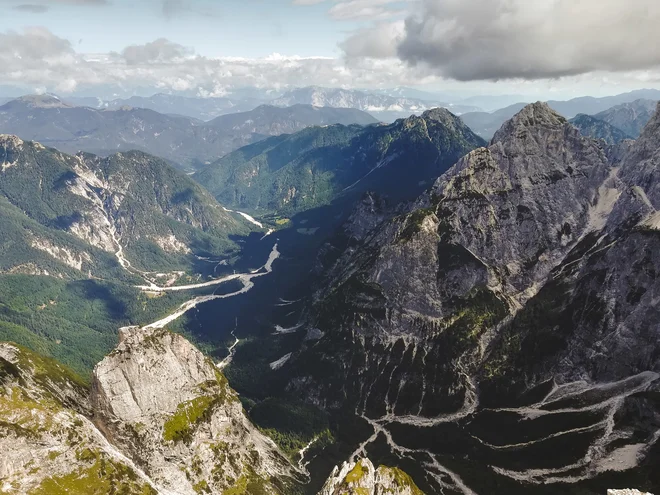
(42, 101)
(9, 140)
(653, 126)
(440, 114)
(537, 115)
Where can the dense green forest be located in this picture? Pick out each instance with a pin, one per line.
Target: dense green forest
(76, 321)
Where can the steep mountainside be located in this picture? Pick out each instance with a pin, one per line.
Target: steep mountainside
(598, 129)
(629, 117)
(156, 402)
(503, 333)
(626, 111)
(78, 233)
(289, 174)
(49, 445)
(183, 141)
(132, 205)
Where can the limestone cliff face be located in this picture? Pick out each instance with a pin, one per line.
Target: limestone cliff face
(160, 419)
(48, 445)
(362, 478)
(164, 403)
(525, 281)
(422, 289)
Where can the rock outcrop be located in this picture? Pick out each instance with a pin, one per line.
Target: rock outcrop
(48, 445)
(522, 283)
(161, 419)
(168, 406)
(362, 478)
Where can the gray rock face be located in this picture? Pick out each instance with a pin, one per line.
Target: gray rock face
(362, 478)
(48, 444)
(161, 400)
(524, 281)
(161, 420)
(491, 229)
(630, 117)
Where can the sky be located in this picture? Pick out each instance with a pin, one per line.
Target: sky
(545, 48)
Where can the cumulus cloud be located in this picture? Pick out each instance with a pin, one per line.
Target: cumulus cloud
(36, 59)
(506, 39)
(34, 44)
(365, 9)
(158, 51)
(39, 59)
(379, 41)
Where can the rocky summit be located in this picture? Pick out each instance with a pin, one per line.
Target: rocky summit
(161, 400)
(361, 478)
(156, 402)
(505, 314)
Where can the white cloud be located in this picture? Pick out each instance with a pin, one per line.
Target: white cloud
(379, 41)
(365, 9)
(35, 58)
(158, 51)
(507, 39)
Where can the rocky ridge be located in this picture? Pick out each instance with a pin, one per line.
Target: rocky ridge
(160, 405)
(162, 401)
(322, 165)
(362, 478)
(508, 287)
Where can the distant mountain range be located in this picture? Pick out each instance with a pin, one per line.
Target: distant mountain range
(182, 141)
(591, 126)
(486, 124)
(630, 117)
(385, 107)
(197, 108)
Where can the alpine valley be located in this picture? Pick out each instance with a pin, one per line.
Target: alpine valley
(326, 304)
